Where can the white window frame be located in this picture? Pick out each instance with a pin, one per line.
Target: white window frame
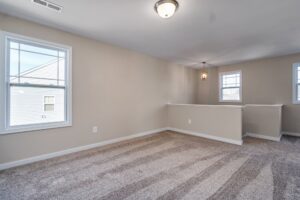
(5, 128)
(221, 74)
(295, 80)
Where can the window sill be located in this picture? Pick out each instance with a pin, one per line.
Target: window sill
(36, 127)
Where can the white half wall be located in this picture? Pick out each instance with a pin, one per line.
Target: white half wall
(262, 121)
(211, 121)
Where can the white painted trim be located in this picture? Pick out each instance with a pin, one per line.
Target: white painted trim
(203, 135)
(75, 149)
(2, 80)
(36, 127)
(291, 134)
(255, 135)
(263, 105)
(207, 105)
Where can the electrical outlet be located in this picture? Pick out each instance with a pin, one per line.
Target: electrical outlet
(95, 129)
(189, 121)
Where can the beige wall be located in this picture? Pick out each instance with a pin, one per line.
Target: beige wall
(121, 91)
(206, 91)
(266, 81)
(182, 84)
(262, 120)
(210, 120)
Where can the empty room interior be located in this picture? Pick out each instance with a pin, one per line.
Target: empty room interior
(150, 99)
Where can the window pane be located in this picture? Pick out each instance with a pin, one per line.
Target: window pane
(38, 69)
(298, 75)
(231, 94)
(231, 80)
(32, 61)
(62, 54)
(37, 80)
(27, 105)
(49, 107)
(49, 100)
(14, 45)
(298, 92)
(40, 50)
(14, 63)
(36, 65)
(61, 72)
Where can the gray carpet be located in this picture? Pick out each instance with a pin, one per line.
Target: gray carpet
(164, 166)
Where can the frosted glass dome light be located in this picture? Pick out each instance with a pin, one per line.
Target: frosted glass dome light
(166, 8)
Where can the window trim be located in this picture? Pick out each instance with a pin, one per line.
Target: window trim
(5, 128)
(295, 78)
(221, 74)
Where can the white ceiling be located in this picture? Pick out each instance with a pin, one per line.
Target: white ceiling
(217, 31)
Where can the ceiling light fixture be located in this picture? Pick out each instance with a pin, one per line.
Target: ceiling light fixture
(166, 8)
(203, 74)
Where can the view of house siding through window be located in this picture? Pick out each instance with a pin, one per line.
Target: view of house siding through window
(36, 83)
(230, 86)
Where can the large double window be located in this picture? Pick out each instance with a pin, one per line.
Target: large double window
(230, 87)
(37, 84)
(296, 83)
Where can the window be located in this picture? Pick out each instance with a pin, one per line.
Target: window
(37, 85)
(49, 102)
(230, 87)
(296, 83)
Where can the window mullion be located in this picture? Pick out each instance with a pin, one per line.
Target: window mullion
(57, 67)
(19, 64)
(229, 87)
(45, 54)
(37, 85)
(297, 91)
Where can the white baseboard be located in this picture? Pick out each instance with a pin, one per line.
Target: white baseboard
(291, 134)
(75, 149)
(212, 137)
(255, 135)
